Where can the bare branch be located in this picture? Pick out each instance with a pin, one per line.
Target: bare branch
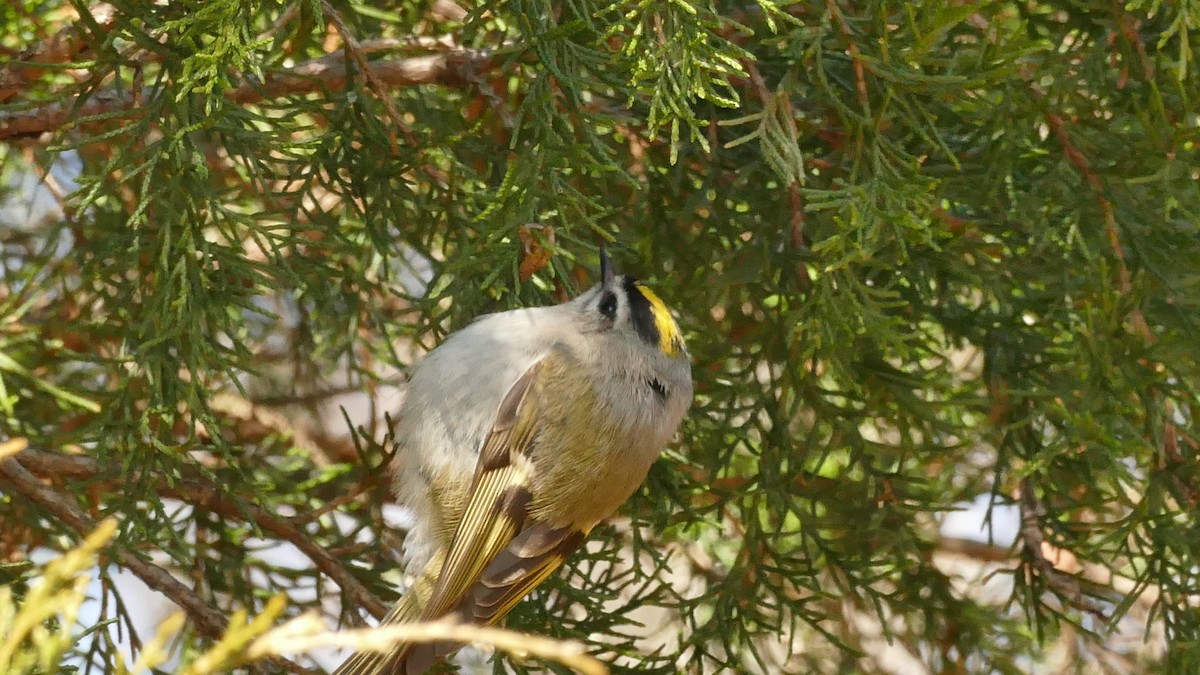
(453, 67)
(36, 121)
(1064, 562)
(1049, 559)
(450, 68)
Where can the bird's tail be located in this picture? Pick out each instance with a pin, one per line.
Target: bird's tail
(407, 610)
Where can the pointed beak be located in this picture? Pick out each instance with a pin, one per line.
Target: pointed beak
(606, 268)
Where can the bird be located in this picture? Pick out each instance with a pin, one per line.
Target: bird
(518, 435)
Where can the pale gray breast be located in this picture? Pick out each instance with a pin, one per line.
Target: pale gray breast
(456, 389)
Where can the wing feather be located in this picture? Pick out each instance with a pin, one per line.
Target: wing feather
(528, 561)
(498, 499)
(523, 565)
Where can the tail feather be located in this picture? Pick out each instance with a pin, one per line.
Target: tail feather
(407, 610)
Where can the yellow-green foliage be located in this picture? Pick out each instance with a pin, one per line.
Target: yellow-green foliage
(35, 631)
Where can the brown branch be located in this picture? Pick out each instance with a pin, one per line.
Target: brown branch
(450, 68)
(1049, 559)
(453, 67)
(195, 492)
(207, 620)
(59, 48)
(1078, 160)
(856, 61)
(974, 549)
(1064, 562)
(306, 398)
(36, 121)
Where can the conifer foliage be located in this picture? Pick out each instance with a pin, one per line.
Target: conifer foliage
(927, 255)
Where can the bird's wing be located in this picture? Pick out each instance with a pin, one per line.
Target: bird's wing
(531, 557)
(498, 554)
(498, 500)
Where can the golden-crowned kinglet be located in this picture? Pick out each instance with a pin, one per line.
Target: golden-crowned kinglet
(517, 435)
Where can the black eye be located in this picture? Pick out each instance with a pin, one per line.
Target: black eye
(608, 304)
(660, 389)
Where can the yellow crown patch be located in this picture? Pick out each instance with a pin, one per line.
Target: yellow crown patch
(670, 337)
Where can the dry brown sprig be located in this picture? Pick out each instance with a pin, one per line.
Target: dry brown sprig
(307, 633)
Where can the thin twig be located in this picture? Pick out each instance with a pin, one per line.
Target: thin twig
(209, 621)
(1039, 551)
(1080, 161)
(856, 61)
(286, 17)
(795, 196)
(355, 51)
(1065, 562)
